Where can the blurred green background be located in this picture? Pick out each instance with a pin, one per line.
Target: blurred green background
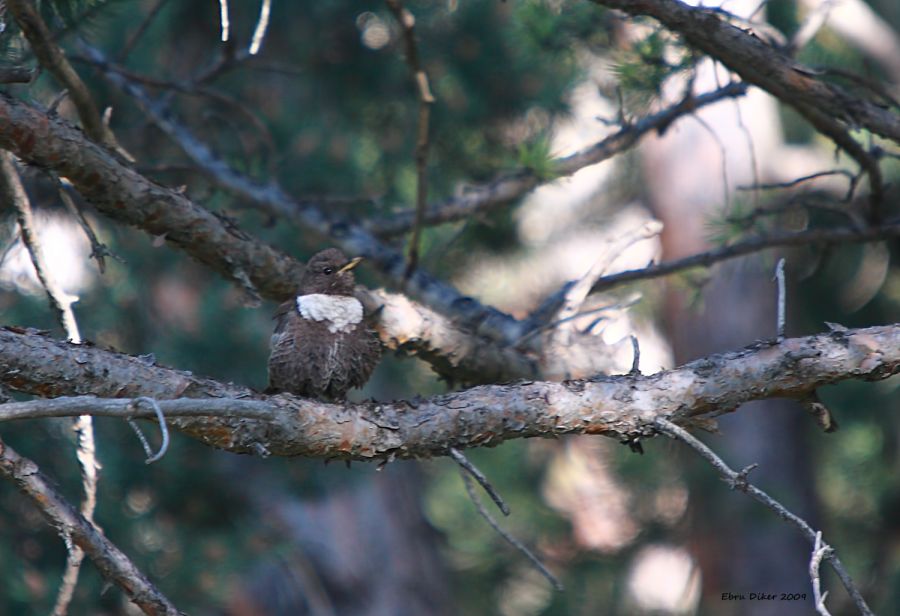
(335, 110)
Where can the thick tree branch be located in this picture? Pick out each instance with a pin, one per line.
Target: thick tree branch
(54, 60)
(763, 65)
(622, 407)
(124, 195)
(352, 238)
(112, 563)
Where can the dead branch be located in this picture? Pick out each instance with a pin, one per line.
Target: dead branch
(426, 99)
(13, 192)
(622, 407)
(352, 238)
(518, 545)
(738, 480)
(112, 563)
(762, 64)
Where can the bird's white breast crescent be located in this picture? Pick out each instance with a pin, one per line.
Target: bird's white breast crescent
(340, 312)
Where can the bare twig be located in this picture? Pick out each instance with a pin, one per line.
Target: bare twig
(262, 24)
(572, 296)
(723, 159)
(127, 408)
(636, 358)
(751, 148)
(796, 181)
(224, 20)
(820, 550)
(782, 300)
(457, 455)
(190, 88)
(142, 28)
(13, 192)
(838, 235)
(512, 185)
(164, 446)
(627, 303)
(99, 250)
(831, 110)
(112, 563)
(868, 163)
(470, 490)
(738, 480)
(426, 99)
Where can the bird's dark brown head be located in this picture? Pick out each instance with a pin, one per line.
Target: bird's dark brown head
(329, 272)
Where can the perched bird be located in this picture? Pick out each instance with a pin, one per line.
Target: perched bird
(322, 347)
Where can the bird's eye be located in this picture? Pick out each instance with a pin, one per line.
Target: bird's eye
(328, 271)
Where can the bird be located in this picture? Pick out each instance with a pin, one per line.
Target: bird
(322, 346)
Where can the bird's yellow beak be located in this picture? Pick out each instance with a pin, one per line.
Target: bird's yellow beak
(350, 265)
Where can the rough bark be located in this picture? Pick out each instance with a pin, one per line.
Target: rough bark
(763, 65)
(112, 563)
(622, 407)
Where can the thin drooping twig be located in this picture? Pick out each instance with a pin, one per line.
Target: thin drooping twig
(868, 162)
(262, 24)
(626, 303)
(164, 446)
(751, 148)
(512, 185)
(112, 563)
(13, 192)
(426, 99)
(738, 480)
(52, 58)
(820, 550)
(723, 159)
(782, 300)
(190, 88)
(86, 452)
(99, 250)
(572, 296)
(470, 490)
(796, 181)
(464, 462)
(142, 28)
(837, 235)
